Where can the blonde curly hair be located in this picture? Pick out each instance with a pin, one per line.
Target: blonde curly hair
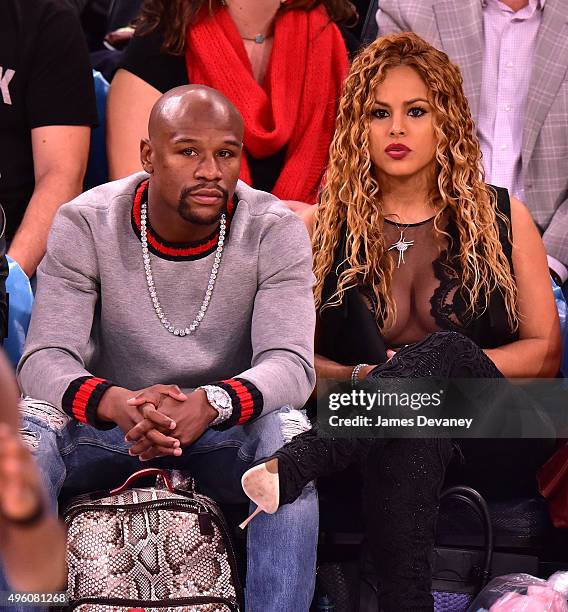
(351, 199)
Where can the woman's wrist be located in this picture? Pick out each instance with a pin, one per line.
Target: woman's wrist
(355, 373)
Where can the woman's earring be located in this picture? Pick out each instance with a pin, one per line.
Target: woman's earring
(223, 2)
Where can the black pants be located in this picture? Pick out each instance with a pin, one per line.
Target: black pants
(403, 477)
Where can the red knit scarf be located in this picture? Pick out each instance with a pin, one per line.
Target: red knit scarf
(296, 106)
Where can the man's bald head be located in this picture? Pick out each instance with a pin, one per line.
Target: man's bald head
(193, 155)
(197, 102)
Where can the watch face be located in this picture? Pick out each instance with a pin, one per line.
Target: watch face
(221, 400)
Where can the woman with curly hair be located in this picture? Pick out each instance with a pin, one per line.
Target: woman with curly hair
(417, 275)
(281, 62)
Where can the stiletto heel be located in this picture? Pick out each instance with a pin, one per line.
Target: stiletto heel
(279, 479)
(249, 519)
(261, 485)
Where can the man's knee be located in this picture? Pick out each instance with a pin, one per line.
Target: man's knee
(40, 421)
(44, 414)
(275, 429)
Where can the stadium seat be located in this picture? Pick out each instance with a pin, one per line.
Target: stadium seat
(20, 300)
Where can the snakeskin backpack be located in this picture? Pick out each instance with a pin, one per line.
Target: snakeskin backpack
(158, 549)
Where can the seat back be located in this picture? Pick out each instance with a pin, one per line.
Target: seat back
(97, 168)
(20, 301)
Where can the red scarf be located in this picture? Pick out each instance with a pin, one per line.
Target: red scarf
(297, 105)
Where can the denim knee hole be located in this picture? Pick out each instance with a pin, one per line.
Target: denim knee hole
(292, 424)
(30, 439)
(54, 418)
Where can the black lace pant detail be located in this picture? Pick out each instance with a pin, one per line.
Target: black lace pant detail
(442, 354)
(403, 477)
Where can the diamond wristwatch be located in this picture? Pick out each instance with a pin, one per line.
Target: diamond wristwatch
(221, 401)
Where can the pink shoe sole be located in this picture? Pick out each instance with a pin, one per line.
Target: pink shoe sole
(262, 487)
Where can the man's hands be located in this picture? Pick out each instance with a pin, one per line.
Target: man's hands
(192, 417)
(159, 420)
(127, 409)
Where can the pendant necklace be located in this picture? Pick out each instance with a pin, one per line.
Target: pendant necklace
(401, 245)
(190, 329)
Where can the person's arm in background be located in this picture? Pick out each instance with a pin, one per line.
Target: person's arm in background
(60, 106)
(537, 352)
(389, 19)
(130, 100)
(60, 160)
(3, 277)
(79, 5)
(555, 240)
(33, 554)
(146, 73)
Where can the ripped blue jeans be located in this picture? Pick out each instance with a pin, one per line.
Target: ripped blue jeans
(281, 548)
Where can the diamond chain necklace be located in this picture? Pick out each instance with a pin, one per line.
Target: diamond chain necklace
(178, 331)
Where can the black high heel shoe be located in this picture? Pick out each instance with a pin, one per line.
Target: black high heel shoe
(280, 478)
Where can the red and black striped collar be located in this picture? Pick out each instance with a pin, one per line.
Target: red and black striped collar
(176, 250)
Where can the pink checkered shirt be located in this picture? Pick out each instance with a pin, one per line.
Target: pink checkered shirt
(510, 41)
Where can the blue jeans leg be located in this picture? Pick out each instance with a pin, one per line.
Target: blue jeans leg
(281, 548)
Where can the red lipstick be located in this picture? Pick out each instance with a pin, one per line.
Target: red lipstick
(397, 150)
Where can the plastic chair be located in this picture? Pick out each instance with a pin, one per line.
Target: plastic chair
(97, 168)
(20, 301)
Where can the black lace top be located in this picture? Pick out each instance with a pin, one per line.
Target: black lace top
(425, 288)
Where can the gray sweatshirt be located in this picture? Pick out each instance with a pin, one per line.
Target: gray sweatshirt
(94, 325)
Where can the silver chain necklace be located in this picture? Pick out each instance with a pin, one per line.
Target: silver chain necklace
(178, 331)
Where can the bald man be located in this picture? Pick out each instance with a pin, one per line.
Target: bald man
(174, 323)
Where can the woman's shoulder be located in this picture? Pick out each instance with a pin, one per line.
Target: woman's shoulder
(521, 218)
(502, 198)
(515, 210)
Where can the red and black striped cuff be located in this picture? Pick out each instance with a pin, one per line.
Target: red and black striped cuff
(82, 398)
(246, 398)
